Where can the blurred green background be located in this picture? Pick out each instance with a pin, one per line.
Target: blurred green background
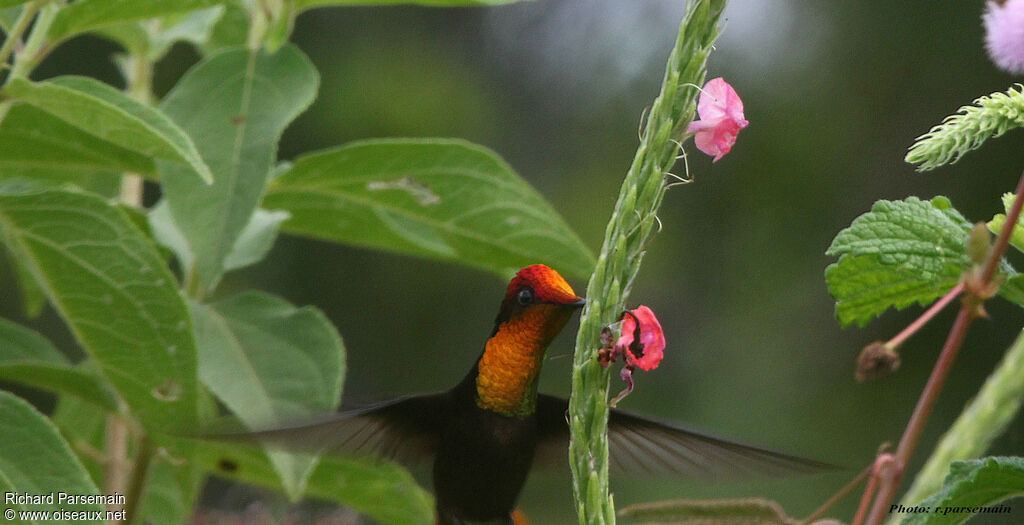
(835, 93)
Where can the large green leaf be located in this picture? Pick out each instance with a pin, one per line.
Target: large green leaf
(309, 4)
(28, 358)
(898, 254)
(109, 283)
(35, 460)
(86, 15)
(37, 145)
(113, 116)
(271, 363)
(972, 487)
(377, 488)
(235, 105)
(439, 198)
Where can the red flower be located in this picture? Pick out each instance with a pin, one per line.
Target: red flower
(642, 339)
(641, 342)
(721, 119)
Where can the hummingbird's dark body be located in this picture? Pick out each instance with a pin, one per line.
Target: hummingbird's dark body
(486, 433)
(482, 459)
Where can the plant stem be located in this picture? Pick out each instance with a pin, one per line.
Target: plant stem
(837, 497)
(139, 83)
(140, 471)
(934, 309)
(626, 237)
(20, 25)
(35, 47)
(982, 421)
(115, 478)
(140, 87)
(967, 314)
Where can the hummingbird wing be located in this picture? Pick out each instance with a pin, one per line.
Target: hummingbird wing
(405, 429)
(637, 444)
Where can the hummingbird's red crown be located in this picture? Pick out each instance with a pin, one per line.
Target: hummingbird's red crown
(549, 286)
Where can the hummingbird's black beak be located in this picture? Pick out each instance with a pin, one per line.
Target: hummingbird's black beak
(579, 304)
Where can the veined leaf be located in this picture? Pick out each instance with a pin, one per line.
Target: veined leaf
(86, 15)
(438, 198)
(28, 358)
(375, 487)
(271, 363)
(972, 487)
(235, 105)
(37, 145)
(107, 281)
(35, 459)
(109, 114)
(900, 253)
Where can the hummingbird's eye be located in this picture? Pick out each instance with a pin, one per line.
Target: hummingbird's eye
(525, 297)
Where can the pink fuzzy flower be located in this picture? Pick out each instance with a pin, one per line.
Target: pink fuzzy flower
(721, 118)
(1004, 34)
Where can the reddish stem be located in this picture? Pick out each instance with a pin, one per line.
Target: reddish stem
(865, 500)
(890, 479)
(925, 317)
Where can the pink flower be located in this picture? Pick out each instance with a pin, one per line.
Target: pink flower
(721, 118)
(642, 339)
(1004, 34)
(641, 342)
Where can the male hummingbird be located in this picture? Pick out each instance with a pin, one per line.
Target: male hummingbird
(484, 434)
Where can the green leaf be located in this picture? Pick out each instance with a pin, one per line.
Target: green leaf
(33, 298)
(86, 15)
(309, 4)
(109, 114)
(972, 487)
(231, 29)
(900, 253)
(438, 198)
(35, 459)
(28, 358)
(256, 239)
(271, 363)
(37, 145)
(142, 38)
(375, 487)
(718, 511)
(115, 292)
(172, 485)
(84, 426)
(996, 224)
(11, 3)
(235, 105)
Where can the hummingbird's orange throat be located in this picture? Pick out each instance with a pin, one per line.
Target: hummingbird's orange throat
(506, 380)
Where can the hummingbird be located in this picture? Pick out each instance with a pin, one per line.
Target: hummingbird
(485, 434)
